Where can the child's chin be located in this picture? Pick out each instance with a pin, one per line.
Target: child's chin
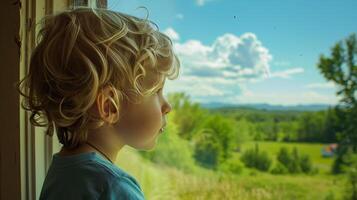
(148, 146)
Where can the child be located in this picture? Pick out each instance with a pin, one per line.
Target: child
(97, 77)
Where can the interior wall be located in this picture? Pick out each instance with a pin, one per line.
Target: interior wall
(10, 187)
(24, 149)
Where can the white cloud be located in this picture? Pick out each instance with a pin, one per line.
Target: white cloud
(326, 85)
(241, 58)
(199, 89)
(200, 2)
(283, 98)
(172, 33)
(281, 63)
(315, 97)
(219, 71)
(215, 71)
(287, 73)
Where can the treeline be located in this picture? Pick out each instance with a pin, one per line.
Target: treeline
(210, 137)
(195, 137)
(288, 126)
(340, 68)
(286, 162)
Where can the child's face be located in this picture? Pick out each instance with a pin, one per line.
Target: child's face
(140, 124)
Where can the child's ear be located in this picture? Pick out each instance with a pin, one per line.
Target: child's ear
(106, 105)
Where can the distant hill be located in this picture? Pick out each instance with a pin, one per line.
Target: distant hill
(269, 107)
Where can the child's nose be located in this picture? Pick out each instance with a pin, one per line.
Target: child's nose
(166, 107)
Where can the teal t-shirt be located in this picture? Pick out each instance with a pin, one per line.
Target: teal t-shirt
(88, 176)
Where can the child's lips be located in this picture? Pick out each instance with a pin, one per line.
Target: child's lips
(162, 128)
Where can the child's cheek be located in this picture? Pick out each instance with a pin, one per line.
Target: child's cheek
(149, 123)
(142, 125)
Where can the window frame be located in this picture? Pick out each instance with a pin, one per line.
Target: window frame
(26, 151)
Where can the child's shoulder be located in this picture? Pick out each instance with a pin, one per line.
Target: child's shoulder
(122, 188)
(111, 170)
(119, 182)
(89, 175)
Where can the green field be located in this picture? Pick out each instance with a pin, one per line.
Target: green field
(160, 182)
(313, 150)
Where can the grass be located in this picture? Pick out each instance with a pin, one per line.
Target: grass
(311, 149)
(161, 182)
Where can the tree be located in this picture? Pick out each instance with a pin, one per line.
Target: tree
(295, 162)
(222, 129)
(333, 125)
(341, 69)
(208, 152)
(284, 156)
(172, 150)
(351, 189)
(312, 126)
(292, 162)
(245, 130)
(306, 164)
(188, 114)
(254, 158)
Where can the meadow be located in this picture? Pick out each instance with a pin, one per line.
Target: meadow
(162, 182)
(201, 154)
(312, 149)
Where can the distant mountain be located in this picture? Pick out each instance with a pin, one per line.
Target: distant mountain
(302, 107)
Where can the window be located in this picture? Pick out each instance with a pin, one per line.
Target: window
(26, 151)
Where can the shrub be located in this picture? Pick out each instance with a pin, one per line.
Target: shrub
(293, 162)
(351, 189)
(294, 166)
(208, 152)
(284, 157)
(306, 164)
(231, 166)
(254, 158)
(330, 196)
(280, 169)
(171, 150)
(351, 192)
(220, 129)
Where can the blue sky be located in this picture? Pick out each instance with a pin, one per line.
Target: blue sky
(250, 51)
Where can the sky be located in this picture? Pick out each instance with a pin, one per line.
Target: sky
(248, 52)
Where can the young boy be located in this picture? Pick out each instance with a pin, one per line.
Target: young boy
(96, 76)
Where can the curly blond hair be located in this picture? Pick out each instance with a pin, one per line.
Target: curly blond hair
(79, 52)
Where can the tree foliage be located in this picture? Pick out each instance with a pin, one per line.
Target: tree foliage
(255, 158)
(340, 68)
(292, 162)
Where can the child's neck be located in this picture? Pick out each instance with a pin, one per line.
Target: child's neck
(105, 140)
(83, 148)
(110, 153)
